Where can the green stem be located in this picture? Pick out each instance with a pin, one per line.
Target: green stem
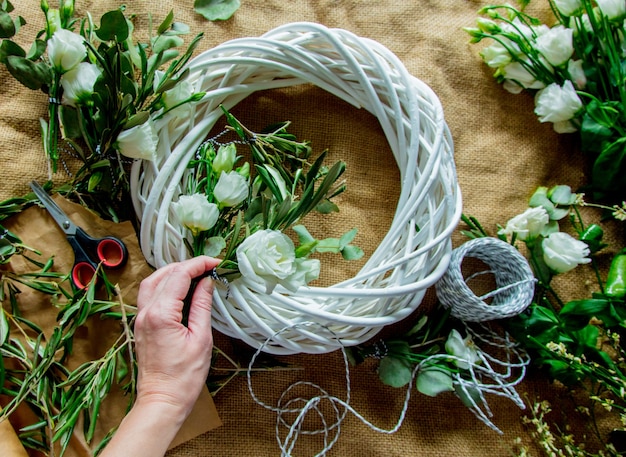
(51, 146)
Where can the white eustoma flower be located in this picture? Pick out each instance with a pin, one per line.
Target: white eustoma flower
(306, 270)
(569, 7)
(577, 74)
(463, 349)
(66, 49)
(556, 45)
(268, 258)
(138, 142)
(557, 103)
(612, 9)
(231, 189)
(527, 225)
(562, 252)
(496, 55)
(224, 159)
(78, 83)
(195, 212)
(519, 75)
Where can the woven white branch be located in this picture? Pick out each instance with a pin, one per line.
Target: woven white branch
(416, 250)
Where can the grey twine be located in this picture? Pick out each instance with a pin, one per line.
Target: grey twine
(515, 282)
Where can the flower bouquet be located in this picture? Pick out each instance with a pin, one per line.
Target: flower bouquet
(575, 68)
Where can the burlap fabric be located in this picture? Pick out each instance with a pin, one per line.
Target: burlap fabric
(502, 154)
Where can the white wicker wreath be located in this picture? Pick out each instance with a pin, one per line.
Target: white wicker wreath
(416, 250)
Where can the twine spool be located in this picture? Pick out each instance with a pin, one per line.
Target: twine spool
(413, 254)
(515, 282)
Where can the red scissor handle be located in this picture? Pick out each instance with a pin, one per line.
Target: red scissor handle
(82, 274)
(111, 252)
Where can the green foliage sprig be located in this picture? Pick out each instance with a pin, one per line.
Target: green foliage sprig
(33, 364)
(104, 89)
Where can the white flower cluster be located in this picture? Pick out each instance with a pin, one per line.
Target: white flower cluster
(538, 225)
(68, 57)
(529, 56)
(266, 257)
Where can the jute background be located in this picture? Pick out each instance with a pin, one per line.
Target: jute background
(502, 154)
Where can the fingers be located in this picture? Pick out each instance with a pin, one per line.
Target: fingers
(171, 282)
(201, 305)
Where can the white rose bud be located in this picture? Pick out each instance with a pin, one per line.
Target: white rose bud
(562, 252)
(557, 103)
(231, 189)
(78, 83)
(518, 74)
(66, 49)
(576, 73)
(195, 212)
(225, 159)
(527, 225)
(138, 142)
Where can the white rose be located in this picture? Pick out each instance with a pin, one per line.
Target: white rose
(568, 7)
(527, 225)
(562, 252)
(463, 349)
(231, 189)
(138, 142)
(66, 49)
(556, 45)
(268, 257)
(556, 103)
(78, 83)
(612, 9)
(195, 212)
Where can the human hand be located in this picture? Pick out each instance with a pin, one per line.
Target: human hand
(174, 359)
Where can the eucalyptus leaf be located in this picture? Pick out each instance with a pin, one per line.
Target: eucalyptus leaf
(352, 252)
(216, 10)
(31, 74)
(7, 26)
(394, 371)
(113, 26)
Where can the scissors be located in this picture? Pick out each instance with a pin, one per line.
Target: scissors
(88, 252)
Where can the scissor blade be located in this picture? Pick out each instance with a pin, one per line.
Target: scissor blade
(57, 213)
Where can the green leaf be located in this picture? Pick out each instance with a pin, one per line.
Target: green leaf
(347, 238)
(31, 74)
(167, 22)
(593, 134)
(7, 26)
(303, 234)
(36, 50)
(608, 169)
(432, 381)
(113, 26)
(327, 207)
(352, 252)
(216, 10)
(394, 371)
(10, 48)
(4, 328)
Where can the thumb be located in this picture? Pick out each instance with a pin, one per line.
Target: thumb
(201, 305)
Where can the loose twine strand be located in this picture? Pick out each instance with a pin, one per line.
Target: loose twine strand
(488, 375)
(485, 378)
